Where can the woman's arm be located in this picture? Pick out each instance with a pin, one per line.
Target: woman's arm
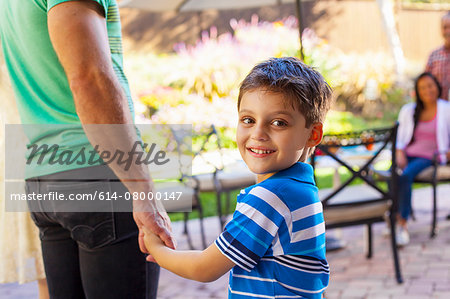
(204, 266)
(406, 125)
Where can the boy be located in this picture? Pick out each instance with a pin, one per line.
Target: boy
(275, 243)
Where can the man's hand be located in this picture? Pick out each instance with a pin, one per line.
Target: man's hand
(152, 217)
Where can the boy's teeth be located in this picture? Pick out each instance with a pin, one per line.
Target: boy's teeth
(260, 151)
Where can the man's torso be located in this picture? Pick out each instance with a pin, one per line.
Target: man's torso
(39, 82)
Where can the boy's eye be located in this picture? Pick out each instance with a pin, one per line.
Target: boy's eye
(279, 123)
(247, 120)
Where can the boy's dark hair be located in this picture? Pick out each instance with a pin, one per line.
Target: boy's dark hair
(303, 86)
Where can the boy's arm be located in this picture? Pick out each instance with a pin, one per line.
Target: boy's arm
(204, 266)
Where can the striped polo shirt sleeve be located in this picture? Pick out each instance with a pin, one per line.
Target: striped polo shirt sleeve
(248, 236)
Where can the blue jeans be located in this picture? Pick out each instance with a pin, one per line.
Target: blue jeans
(90, 254)
(414, 167)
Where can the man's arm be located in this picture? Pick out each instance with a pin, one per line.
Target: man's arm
(79, 36)
(204, 266)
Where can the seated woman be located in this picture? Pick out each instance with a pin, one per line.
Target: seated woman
(424, 129)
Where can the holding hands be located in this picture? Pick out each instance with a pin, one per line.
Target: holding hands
(154, 226)
(152, 243)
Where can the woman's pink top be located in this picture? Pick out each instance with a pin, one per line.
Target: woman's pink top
(425, 143)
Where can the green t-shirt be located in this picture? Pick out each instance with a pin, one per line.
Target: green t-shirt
(40, 84)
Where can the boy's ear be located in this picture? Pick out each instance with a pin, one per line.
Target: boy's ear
(316, 135)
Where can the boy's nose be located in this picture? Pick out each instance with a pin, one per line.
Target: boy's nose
(259, 133)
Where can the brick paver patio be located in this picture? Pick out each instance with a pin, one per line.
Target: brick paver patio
(425, 262)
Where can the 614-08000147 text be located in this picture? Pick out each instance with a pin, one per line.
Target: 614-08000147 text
(57, 196)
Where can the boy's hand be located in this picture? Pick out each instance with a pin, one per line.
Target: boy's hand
(152, 217)
(152, 243)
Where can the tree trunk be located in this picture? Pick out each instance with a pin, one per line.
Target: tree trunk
(387, 14)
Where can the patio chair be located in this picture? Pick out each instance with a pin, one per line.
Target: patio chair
(187, 201)
(186, 187)
(361, 204)
(433, 175)
(228, 172)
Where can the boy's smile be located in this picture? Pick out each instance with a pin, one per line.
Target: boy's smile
(271, 134)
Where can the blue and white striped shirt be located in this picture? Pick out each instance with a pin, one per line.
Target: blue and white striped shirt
(277, 238)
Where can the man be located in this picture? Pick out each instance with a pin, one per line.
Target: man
(64, 58)
(439, 60)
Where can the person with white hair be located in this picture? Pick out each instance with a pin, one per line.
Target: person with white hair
(439, 60)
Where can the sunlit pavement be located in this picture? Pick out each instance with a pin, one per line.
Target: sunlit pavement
(425, 262)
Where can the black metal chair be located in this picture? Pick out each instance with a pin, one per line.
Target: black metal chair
(433, 175)
(221, 174)
(185, 186)
(368, 203)
(228, 173)
(229, 177)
